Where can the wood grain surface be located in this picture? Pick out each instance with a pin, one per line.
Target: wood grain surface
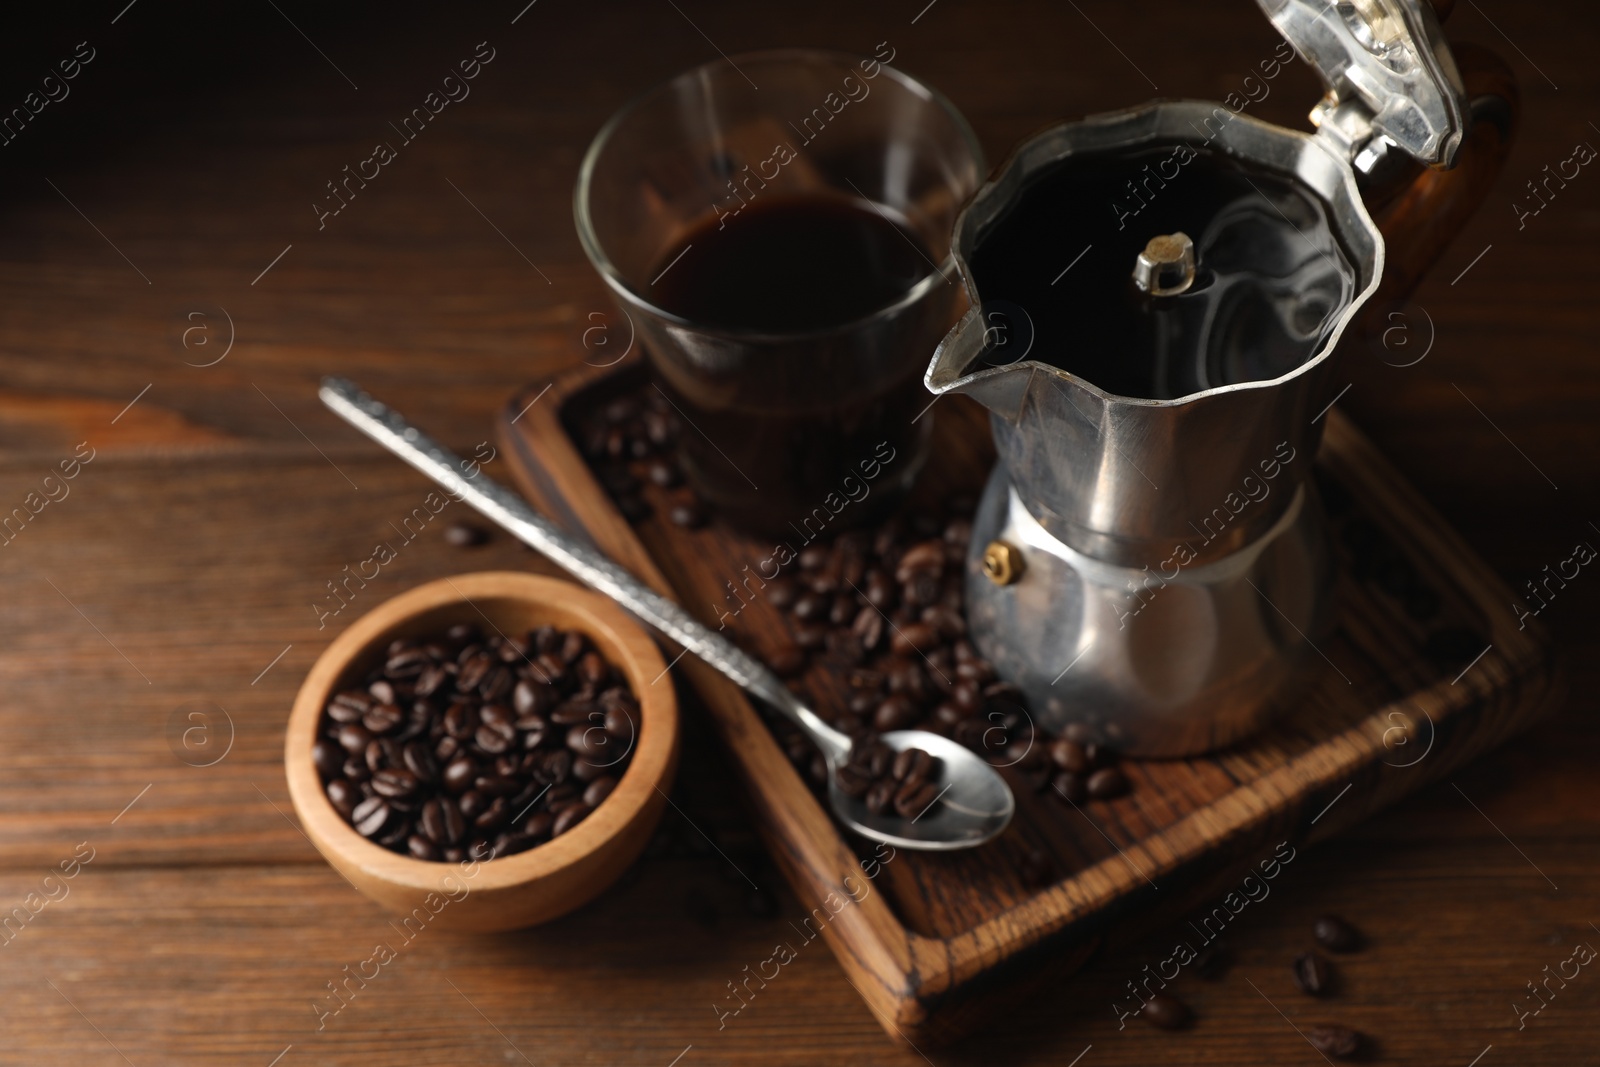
(180, 570)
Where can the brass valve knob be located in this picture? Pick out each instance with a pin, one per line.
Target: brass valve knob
(1002, 563)
(1167, 266)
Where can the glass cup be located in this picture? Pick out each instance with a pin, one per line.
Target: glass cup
(799, 426)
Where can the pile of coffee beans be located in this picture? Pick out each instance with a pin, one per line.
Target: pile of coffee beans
(466, 738)
(631, 440)
(881, 609)
(902, 782)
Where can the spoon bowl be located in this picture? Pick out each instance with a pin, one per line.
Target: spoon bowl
(973, 806)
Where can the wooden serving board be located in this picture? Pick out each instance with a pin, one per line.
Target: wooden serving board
(939, 943)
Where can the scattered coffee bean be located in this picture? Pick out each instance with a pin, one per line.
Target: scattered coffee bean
(787, 661)
(465, 535)
(1070, 787)
(1313, 974)
(490, 736)
(1340, 1042)
(688, 514)
(1165, 1012)
(1212, 961)
(1336, 935)
(1106, 783)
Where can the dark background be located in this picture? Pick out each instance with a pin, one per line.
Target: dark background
(196, 142)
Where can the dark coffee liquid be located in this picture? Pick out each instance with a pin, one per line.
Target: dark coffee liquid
(789, 265)
(1271, 284)
(804, 418)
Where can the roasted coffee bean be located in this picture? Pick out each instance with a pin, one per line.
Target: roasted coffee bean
(809, 607)
(1340, 1042)
(810, 637)
(1212, 961)
(918, 637)
(378, 755)
(842, 610)
(1165, 1012)
(494, 739)
(598, 790)
(570, 816)
(473, 672)
(588, 742)
(1313, 974)
(922, 590)
(555, 767)
(1036, 869)
(844, 647)
(343, 796)
(429, 681)
(1069, 755)
(406, 663)
(497, 786)
(459, 774)
(381, 718)
(853, 781)
(327, 756)
(393, 783)
(781, 592)
(880, 796)
(880, 591)
(1335, 935)
(664, 473)
(868, 628)
(382, 764)
(576, 712)
(914, 798)
(923, 557)
(1069, 787)
(895, 713)
(948, 623)
(349, 706)
(370, 816)
(354, 738)
(687, 514)
(787, 661)
(913, 765)
(496, 685)
(592, 670)
(441, 822)
(813, 557)
(1107, 783)
(621, 720)
(972, 733)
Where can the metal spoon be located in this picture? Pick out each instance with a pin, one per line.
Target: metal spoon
(974, 803)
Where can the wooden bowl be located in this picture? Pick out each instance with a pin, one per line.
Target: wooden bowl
(550, 879)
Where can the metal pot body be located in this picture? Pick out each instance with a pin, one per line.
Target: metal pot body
(1175, 572)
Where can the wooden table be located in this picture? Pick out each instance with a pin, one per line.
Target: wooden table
(167, 201)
